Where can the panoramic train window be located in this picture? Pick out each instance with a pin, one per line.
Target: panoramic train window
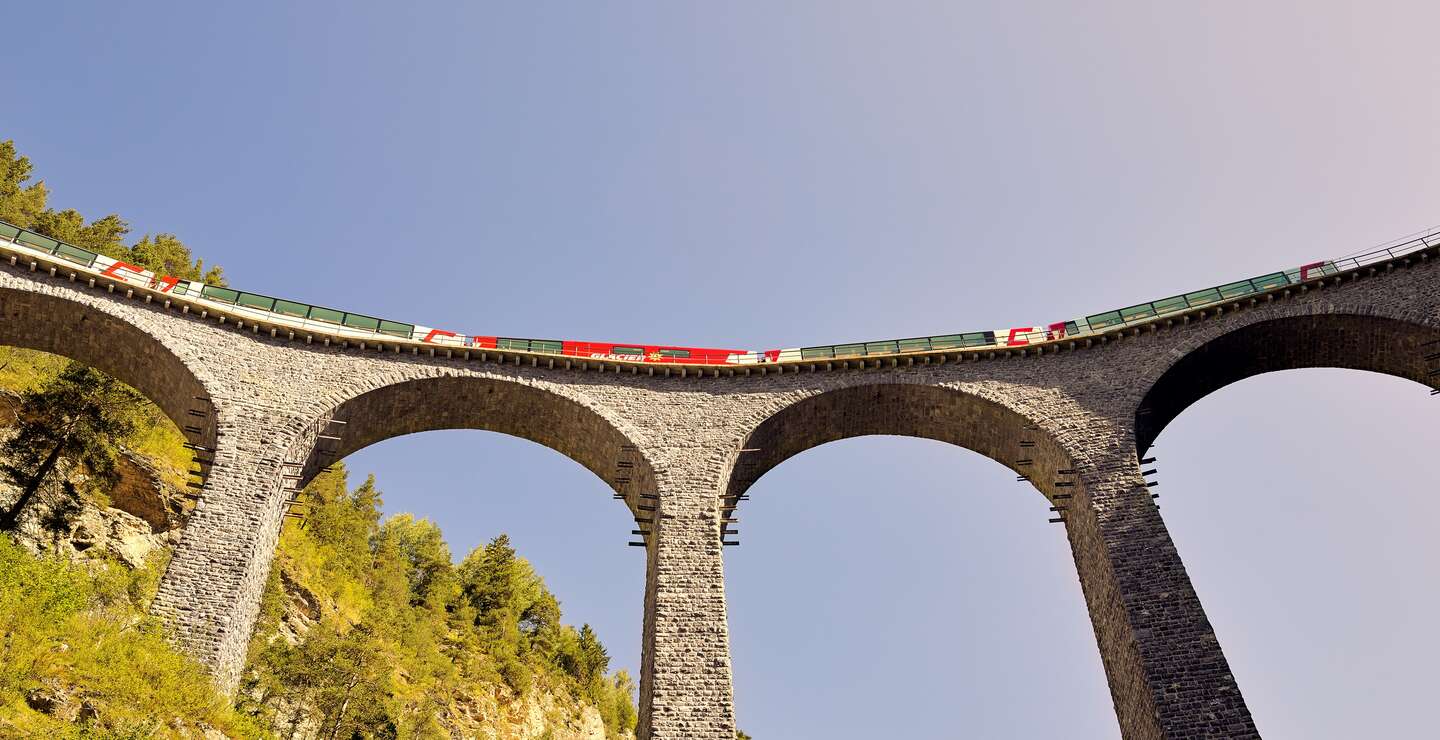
(361, 322)
(626, 351)
(813, 353)
(547, 346)
(674, 353)
(843, 350)
(35, 240)
(8, 231)
(1201, 297)
(291, 308)
(1165, 305)
(1102, 320)
(75, 254)
(1234, 290)
(328, 315)
(1273, 280)
(1142, 311)
(257, 301)
(220, 294)
(915, 345)
(396, 328)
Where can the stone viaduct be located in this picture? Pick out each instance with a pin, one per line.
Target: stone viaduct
(681, 444)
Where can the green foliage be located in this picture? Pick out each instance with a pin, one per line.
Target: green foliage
(68, 626)
(81, 415)
(104, 235)
(155, 436)
(83, 412)
(400, 631)
(22, 369)
(25, 205)
(19, 203)
(615, 697)
(418, 549)
(344, 679)
(166, 254)
(740, 735)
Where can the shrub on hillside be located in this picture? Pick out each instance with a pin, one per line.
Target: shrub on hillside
(82, 659)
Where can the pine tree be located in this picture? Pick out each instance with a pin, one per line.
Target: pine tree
(82, 414)
(420, 549)
(594, 661)
(489, 581)
(167, 255)
(19, 204)
(103, 235)
(25, 206)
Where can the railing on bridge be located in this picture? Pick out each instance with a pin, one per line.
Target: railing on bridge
(304, 316)
(1137, 313)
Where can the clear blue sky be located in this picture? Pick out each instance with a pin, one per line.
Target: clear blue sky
(774, 174)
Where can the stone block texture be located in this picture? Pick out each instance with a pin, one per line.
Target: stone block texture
(267, 409)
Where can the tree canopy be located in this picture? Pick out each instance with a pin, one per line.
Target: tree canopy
(82, 415)
(404, 631)
(26, 205)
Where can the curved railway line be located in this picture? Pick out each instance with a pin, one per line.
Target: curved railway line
(299, 321)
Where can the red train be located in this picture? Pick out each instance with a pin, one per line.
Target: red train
(636, 352)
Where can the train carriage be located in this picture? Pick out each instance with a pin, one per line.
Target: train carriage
(258, 307)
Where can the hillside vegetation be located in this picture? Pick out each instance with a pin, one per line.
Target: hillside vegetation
(80, 659)
(369, 628)
(397, 636)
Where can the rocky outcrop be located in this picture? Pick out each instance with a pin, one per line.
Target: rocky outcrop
(60, 519)
(478, 712)
(141, 491)
(536, 715)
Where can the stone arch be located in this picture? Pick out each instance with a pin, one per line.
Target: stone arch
(1355, 340)
(567, 425)
(937, 412)
(86, 334)
(1016, 428)
(572, 426)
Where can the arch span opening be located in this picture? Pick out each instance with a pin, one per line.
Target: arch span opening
(438, 446)
(1351, 341)
(483, 575)
(486, 404)
(909, 605)
(888, 586)
(899, 409)
(117, 348)
(1303, 502)
(554, 511)
(126, 455)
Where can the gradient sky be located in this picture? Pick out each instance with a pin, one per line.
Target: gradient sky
(767, 175)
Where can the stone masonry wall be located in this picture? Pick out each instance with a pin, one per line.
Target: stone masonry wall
(265, 412)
